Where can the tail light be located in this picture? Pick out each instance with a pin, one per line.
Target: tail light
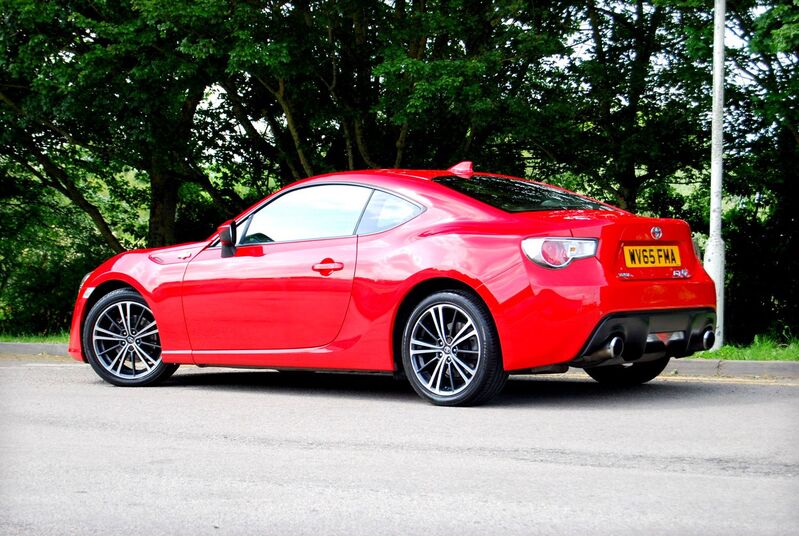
(558, 252)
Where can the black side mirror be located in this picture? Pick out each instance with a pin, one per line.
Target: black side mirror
(227, 238)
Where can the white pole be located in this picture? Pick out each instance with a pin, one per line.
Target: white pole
(714, 254)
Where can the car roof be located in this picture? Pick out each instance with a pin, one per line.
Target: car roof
(417, 180)
(417, 185)
(412, 183)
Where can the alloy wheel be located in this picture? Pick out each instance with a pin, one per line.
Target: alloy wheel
(125, 340)
(445, 349)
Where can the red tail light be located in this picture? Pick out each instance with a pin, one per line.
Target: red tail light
(558, 252)
(554, 253)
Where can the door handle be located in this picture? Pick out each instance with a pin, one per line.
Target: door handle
(327, 267)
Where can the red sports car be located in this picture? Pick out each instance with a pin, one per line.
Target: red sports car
(452, 279)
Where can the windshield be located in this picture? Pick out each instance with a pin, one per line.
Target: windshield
(514, 195)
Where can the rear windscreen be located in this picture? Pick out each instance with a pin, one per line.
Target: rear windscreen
(516, 195)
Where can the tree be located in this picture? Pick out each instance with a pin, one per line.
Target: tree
(624, 114)
(158, 119)
(94, 85)
(43, 256)
(764, 175)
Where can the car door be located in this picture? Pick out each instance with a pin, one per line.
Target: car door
(289, 281)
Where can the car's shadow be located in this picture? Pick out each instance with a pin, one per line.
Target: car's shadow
(566, 390)
(519, 391)
(310, 383)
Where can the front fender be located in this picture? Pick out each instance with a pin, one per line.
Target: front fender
(157, 276)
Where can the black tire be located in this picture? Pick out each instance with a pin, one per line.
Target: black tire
(628, 375)
(477, 375)
(104, 339)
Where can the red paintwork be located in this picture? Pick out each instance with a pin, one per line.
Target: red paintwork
(270, 306)
(268, 297)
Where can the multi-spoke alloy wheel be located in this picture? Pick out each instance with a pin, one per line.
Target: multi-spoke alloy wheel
(121, 340)
(445, 349)
(450, 351)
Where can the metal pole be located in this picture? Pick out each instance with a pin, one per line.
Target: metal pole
(714, 254)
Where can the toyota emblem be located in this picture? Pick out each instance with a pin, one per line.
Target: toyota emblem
(657, 232)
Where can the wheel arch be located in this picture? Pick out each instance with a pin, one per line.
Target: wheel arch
(104, 288)
(101, 290)
(415, 295)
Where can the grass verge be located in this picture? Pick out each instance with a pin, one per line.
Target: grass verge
(55, 338)
(762, 349)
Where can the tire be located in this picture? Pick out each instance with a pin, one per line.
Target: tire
(628, 375)
(117, 356)
(466, 373)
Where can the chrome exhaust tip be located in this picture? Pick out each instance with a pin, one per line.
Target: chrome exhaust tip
(708, 339)
(611, 349)
(615, 347)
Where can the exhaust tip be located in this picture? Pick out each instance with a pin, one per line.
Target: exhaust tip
(708, 339)
(615, 346)
(610, 349)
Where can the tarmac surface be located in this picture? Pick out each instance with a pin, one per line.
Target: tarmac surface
(218, 451)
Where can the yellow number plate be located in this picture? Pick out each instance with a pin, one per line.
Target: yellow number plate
(651, 256)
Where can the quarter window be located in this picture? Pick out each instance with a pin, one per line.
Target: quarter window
(514, 195)
(324, 211)
(385, 211)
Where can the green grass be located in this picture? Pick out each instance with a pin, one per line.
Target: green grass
(762, 349)
(60, 338)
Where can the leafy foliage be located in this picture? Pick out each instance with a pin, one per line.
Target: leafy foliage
(42, 260)
(147, 122)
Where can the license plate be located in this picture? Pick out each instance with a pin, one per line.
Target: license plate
(651, 256)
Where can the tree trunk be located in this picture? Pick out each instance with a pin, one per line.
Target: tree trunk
(288, 110)
(630, 184)
(360, 141)
(163, 208)
(280, 143)
(291, 121)
(272, 153)
(348, 144)
(401, 141)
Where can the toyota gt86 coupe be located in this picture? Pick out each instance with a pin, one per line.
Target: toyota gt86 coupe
(453, 279)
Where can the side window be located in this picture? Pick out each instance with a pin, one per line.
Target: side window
(386, 211)
(324, 211)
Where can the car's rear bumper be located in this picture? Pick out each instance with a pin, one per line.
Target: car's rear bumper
(548, 318)
(644, 335)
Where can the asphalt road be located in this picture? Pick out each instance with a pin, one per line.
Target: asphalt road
(232, 452)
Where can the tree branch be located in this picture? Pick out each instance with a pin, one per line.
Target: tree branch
(55, 177)
(288, 111)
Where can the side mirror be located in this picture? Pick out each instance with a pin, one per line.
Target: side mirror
(227, 238)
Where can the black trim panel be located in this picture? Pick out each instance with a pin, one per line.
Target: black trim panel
(635, 326)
